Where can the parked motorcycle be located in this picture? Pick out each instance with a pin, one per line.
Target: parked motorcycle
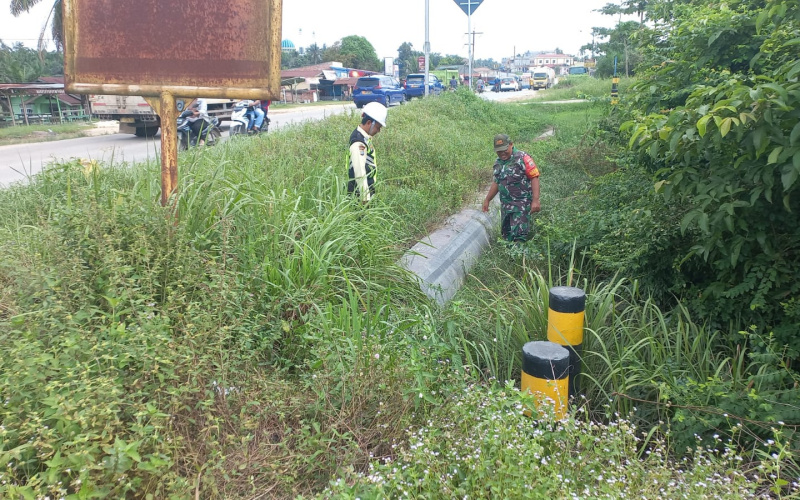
(186, 136)
(243, 117)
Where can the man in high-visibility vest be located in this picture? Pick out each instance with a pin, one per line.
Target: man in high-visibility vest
(362, 168)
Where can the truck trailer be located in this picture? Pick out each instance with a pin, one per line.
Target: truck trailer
(135, 115)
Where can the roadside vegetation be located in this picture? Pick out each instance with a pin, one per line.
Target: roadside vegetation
(21, 134)
(267, 344)
(255, 339)
(584, 87)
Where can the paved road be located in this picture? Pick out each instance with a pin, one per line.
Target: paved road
(509, 95)
(20, 160)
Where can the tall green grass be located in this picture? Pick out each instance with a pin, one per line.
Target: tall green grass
(255, 337)
(585, 88)
(219, 346)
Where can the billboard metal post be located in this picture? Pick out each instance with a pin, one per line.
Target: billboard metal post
(168, 112)
(142, 48)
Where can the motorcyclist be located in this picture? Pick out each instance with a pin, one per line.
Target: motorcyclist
(262, 106)
(198, 121)
(479, 84)
(453, 83)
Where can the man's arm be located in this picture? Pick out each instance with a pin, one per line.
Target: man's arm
(358, 159)
(532, 171)
(491, 194)
(535, 206)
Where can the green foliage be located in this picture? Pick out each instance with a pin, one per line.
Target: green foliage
(729, 151)
(357, 52)
(620, 225)
(620, 43)
(19, 64)
(483, 446)
(263, 338)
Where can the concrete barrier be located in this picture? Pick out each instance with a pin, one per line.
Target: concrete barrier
(442, 259)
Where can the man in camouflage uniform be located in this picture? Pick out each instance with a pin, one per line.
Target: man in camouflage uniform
(516, 178)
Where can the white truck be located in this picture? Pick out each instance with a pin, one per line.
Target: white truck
(135, 116)
(543, 77)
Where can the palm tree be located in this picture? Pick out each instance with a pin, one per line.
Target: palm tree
(54, 19)
(314, 52)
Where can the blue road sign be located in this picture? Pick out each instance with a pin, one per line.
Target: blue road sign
(468, 6)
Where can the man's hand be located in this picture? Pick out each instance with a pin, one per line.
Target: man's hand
(535, 206)
(485, 205)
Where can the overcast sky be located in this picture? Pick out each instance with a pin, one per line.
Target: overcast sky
(505, 25)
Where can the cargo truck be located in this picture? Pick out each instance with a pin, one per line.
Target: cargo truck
(135, 116)
(543, 78)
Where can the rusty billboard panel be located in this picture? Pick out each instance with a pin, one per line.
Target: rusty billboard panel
(189, 48)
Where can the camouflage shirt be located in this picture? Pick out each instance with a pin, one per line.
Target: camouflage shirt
(513, 178)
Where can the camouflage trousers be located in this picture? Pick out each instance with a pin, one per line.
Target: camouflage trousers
(515, 225)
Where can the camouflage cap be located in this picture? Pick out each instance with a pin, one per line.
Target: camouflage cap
(501, 142)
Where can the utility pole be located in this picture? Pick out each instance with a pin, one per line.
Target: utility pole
(427, 47)
(469, 28)
(472, 52)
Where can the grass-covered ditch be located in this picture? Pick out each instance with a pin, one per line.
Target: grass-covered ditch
(263, 343)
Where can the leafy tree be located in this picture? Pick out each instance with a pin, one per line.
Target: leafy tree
(20, 64)
(54, 20)
(407, 59)
(489, 63)
(314, 53)
(717, 117)
(451, 60)
(357, 52)
(619, 42)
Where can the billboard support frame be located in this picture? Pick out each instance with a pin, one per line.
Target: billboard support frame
(235, 58)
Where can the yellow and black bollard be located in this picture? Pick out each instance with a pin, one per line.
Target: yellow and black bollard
(565, 327)
(615, 91)
(545, 374)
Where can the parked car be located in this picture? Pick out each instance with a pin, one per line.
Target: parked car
(415, 85)
(378, 88)
(509, 83)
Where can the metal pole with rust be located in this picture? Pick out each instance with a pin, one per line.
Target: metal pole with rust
(168, 116)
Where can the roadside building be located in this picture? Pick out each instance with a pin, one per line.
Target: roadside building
(326, 81)
(42, 101)
(555, 61)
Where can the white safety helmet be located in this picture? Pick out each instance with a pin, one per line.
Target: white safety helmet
(376, 111)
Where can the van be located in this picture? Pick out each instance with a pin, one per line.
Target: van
(415, 85)
(378, 88)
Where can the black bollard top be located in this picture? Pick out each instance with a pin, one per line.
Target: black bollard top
(567, 299)
(545, 360)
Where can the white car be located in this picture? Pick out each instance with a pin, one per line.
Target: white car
(509, 84)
